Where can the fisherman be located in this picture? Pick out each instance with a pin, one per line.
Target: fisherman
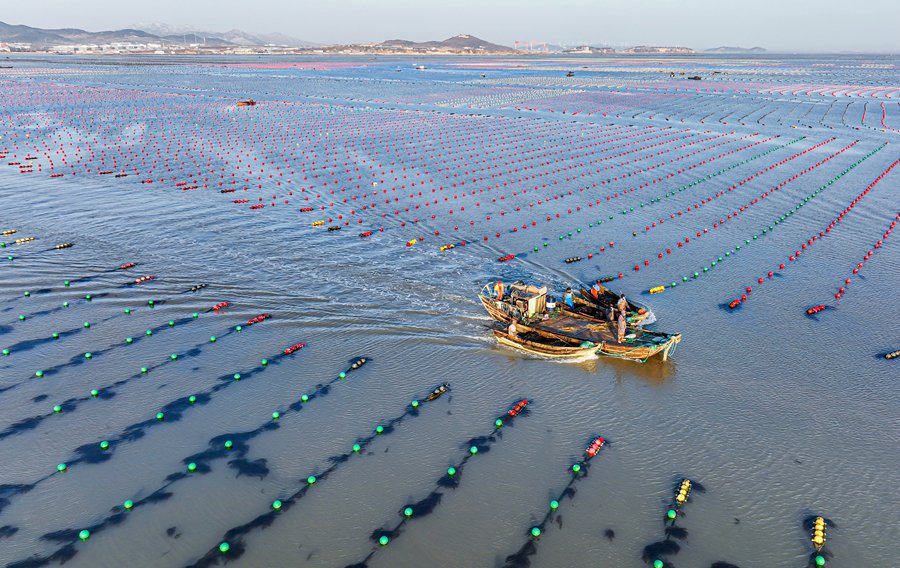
(512, 330)
(621, 337)
(569, 298)
(595, 290)
(498, 289)
(622, 304)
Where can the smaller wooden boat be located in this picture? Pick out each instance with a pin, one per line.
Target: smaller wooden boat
(247, 103)
(532, 341)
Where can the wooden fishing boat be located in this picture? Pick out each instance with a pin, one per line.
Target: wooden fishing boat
(527, 306)
(536, 343)
(247, 103)
(639, 344)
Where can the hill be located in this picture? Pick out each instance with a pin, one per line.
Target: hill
(457, 43)
(154, 33)
(729, 49)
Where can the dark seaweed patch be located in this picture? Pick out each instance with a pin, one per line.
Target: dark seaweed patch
(658, 549)
(256, 468)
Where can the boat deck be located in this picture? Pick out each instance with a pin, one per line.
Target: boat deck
(597, 332)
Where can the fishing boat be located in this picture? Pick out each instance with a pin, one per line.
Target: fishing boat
(247, 103)
(598, 307)
(527, 305)
(638, 345)
(536, 343)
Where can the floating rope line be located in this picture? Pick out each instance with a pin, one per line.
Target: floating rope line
(449, 480)
(88, 356)
(761, 198)
(232, 546)
(170, 412)
(859, 266)
(685, 187)
(821, 235)
(66, 284)
(87, 298)
(578, 471)
(655, 554)
(235, 446)
(780, 219)
(816, 527)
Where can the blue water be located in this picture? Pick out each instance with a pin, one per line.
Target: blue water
(778, 414)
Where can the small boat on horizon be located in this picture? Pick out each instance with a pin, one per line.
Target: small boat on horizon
(246, 103)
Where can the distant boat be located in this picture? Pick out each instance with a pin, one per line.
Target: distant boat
(247, 103)
(570, 74)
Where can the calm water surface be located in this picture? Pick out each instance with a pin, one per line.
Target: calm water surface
(778, 414)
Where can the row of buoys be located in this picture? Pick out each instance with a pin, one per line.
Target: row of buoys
(657, 290)
(524, 191)
(220, 306)
(892, 355)
(171, 411)
(9, 232)
(817, 528)
(294, 348)
(873, 250)
(127, 266)
(258, 319)
(776, 222)
(577, 471)
(23, 240)
(818, 533)
(654, 554)
(756, 200)
(450, 478)
(751, 177)
(647, 184)
(63, 246)
(815, 309)
(235, 446)
(573, 259)
(506, 257)
(688, 185)
(143, 279)
(366, 234)
(233, 545)
(816, 237)
(518, 407)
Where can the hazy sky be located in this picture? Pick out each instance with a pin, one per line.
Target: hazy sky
(792, 25)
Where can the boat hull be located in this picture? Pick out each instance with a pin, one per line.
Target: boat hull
(542, 349)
